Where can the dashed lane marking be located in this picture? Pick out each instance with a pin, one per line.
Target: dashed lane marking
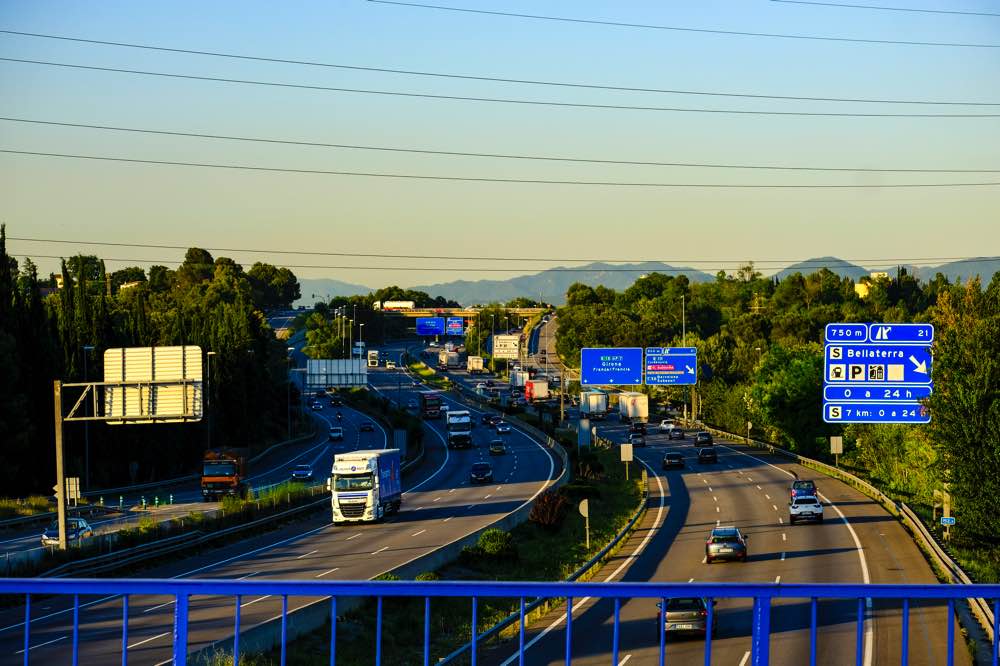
(143, 642)
(380, 550)
(328, 571)
(354, 537)
(307, 554)
(418, 533)
(56, 640)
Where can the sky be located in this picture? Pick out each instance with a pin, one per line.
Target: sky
(233, 211)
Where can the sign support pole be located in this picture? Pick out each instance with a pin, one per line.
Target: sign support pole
(60, 470)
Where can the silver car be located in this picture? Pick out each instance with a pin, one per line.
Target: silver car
(686, 615)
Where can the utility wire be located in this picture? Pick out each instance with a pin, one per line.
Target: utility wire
(560, 269)
(647, 26)
(413, 176)
(887, 9)
(493, 79)
(364, 255)
(501, 100)
(506, 156)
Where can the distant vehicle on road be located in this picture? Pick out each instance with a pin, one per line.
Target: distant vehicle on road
(673, 459)
(367, 426)
(804, 507)
(77, 529)
(802, 488)
(593, 404)
(373, 358)
(336, 434)
(686, 615)
(707, 455)
(302, 473)
(316, 406)
(666, 425)
(224, 472)
(430, 404)
(497, 447)
(390, 365)
(411, 404)
(481, 473)
(702, 438)
(336, 402)
(637, 429)
(633, 406)
(474, 364)
(675, 433)
(726, 543)
(635, 439)
(490, 419)
(502, 427)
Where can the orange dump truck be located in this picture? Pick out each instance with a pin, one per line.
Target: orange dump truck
(224, 472)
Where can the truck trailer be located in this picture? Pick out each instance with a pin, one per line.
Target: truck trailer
(593, 405)
(535, 389)
(365, 486)
(459, 426)
(448, 359)
(633, 407)
(224, 472)
(519, 377)
(430, 404)
(474, 364)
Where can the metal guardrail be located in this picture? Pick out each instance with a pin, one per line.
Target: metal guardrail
(980, 607)
(762, 595)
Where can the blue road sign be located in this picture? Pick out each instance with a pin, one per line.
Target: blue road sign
(671, 366)
(875, 412)
(949, 520)
(430, 325)
(455, 326)
(856, 393)
(847, 332)
(901, 333)
(601, 366)
(877, 363)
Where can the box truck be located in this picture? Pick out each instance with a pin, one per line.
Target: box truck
(535, 389)
(633, 407)
(448, 359)
(593, 405)
(519, 377)
(474, 364)
(365, 485)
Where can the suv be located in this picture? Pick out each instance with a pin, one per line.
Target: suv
(804, 507)
(687, 615)
(802, 489)
(707, 455)
(481, 473)
(703, 438)
(726, 543)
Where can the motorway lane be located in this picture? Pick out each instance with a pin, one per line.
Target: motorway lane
(438, 508)
(750, 490)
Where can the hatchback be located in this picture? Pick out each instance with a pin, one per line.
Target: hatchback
(686, 615)
(703, 438)
(77, 529)
(726, 543)
(707, 455)
(481, 473)
(673, 459)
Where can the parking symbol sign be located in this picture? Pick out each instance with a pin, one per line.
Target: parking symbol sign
(857, 372)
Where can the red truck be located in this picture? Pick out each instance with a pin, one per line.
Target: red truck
(224, 472)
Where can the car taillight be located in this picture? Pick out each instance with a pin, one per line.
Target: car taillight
(703, 612)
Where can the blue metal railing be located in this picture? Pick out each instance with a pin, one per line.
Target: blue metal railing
(761, 594)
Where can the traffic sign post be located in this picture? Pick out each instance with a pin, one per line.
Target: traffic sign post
(836, 448)
(610, 366)
(455, 326)
(626, 456)
(877, 373)
(671, 366)
(585, 512)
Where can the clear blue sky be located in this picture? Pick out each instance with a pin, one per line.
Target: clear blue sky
(66, 199)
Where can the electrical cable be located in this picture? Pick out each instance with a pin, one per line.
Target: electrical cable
(886, 9)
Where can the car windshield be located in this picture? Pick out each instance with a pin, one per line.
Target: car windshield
(71, 525)
(219, 469)
(673, 456)
(302, 468)
(802, 485)
(687, 604)
(722, 536)
(480, 467)
(348, 482)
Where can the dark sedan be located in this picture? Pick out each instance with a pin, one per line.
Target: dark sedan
(726, 543)
(673, 459)
(703, 438)
(707, 455)
(481, 473)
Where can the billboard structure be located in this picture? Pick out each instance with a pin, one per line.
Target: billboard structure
(325, 373)
(506, 346)
(153, 385)
(455, 326)
(430, 325)
(603, 366)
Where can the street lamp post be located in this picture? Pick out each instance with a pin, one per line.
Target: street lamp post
(289, 362)
(361, 339)
(208, 398)
(86, 425)
(493, 343)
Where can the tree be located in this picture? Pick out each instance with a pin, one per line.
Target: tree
(198, 267)
(273, 287)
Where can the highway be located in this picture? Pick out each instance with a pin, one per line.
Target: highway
(858, 542)
(439, 506)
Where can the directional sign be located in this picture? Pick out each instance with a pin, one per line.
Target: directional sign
(877, 373)
(671, 366)
(430, 325)
(455, 326)
(948, 520)
(610, 366)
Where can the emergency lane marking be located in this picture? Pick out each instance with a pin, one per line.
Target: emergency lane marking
(767, 496)
(775, 506)
(710, 489)
(703, 560)
(353, 537)
(759, 488)
(452, 490)
(380, 550)
(718, 522)
(418, 533)
(250, 603)
(329, 571)
(783, 537)
(690, 580)
(715, 498)
(55, 640)
(248, 575)
(447, 519)
(777, 579)
(437, 499)
(781, 521)
(488, 496)
(307, 554)
(746, 657)
(624, 660)
(717, 510)
(143, 642)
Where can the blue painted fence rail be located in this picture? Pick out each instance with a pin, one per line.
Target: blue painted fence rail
(762, 595)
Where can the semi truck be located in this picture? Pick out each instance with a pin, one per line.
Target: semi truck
(535, 389)
(459, 430)
(365, 486)
(633, 407)
(224, 472)
(593, 405)
(430, 404)
(474, 364)
(393, 305)
(448, 359)
(373, 358)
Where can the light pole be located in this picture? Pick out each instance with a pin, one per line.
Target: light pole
(493, 343)
(86, 425)
(208, 398)
(361, 339)
(289, 363)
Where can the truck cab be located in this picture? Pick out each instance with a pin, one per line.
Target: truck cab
(459, 426)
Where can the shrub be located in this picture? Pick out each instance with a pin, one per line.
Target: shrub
(497, 543)
(387, 576)
(574, 492)
(428, 576)
(549, 510)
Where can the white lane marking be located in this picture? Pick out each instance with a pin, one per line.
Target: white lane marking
(777, 579)
(715, 498)
(451, 491)
(628, 560)
(774, 506)
(759, 488)
(418, 533)
(329, 571)
(745, 659)
(307, 554)
(55, 640)
(380, 550)
(702, 560)
(865, 577)
(690, 580)
(717, 510)
(781, 521)
(767, 496)
(143, 642)
(710, 489)
(150, 610)
(782, 556)
(416, 508)
(499, 487)
(624, 660)
(488, 496)
(783, 537)
(718, 522)
(248, 575)
(353, 537)
(437, 499)
(250, 603)
(447, 519)
(748, 478)
(705, 481)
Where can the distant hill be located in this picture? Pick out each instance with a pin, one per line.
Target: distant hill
(550, 285)
(984, 267)
(838, 266)
(316, 289)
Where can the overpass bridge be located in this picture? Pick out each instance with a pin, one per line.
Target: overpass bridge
(458, 312)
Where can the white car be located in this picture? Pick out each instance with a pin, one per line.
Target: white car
(666, 425)
(805, 507)
(390, 365)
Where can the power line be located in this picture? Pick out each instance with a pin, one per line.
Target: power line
(365, 255)
(499, 100)
(647, 26)
(413, 176)
(506, 156)
(887, 9)
(493, 79)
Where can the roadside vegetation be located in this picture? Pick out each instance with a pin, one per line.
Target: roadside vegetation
(29, 506)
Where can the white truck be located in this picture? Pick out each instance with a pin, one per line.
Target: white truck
(633, 407)
(519, 377)
(593, 405)
(365, 485)
(459, 426)
(448, 359)
(474, 364)
(535, 389)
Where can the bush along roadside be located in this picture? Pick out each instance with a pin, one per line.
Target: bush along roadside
(550, 546)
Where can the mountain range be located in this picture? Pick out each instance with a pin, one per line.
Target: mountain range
(550, 285)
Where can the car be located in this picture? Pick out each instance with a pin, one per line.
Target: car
(502, 427)
(316, 406)
(481, 473)
(367, 426)
(336, 402)
(433, 344)
(302, 473)
(390, 365)
(411, 404)
(726, 543)
(515, 367)
(686, 615)
(635, 439)
(666, 425)
(489, 419)
(336, 434)
(805, 488)
(676, 433)
(673, 459)
(497, 447)
(416, 382)
(707, 455)
(805, 507)
(77, 529)
(637, 428)
(702, 438)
